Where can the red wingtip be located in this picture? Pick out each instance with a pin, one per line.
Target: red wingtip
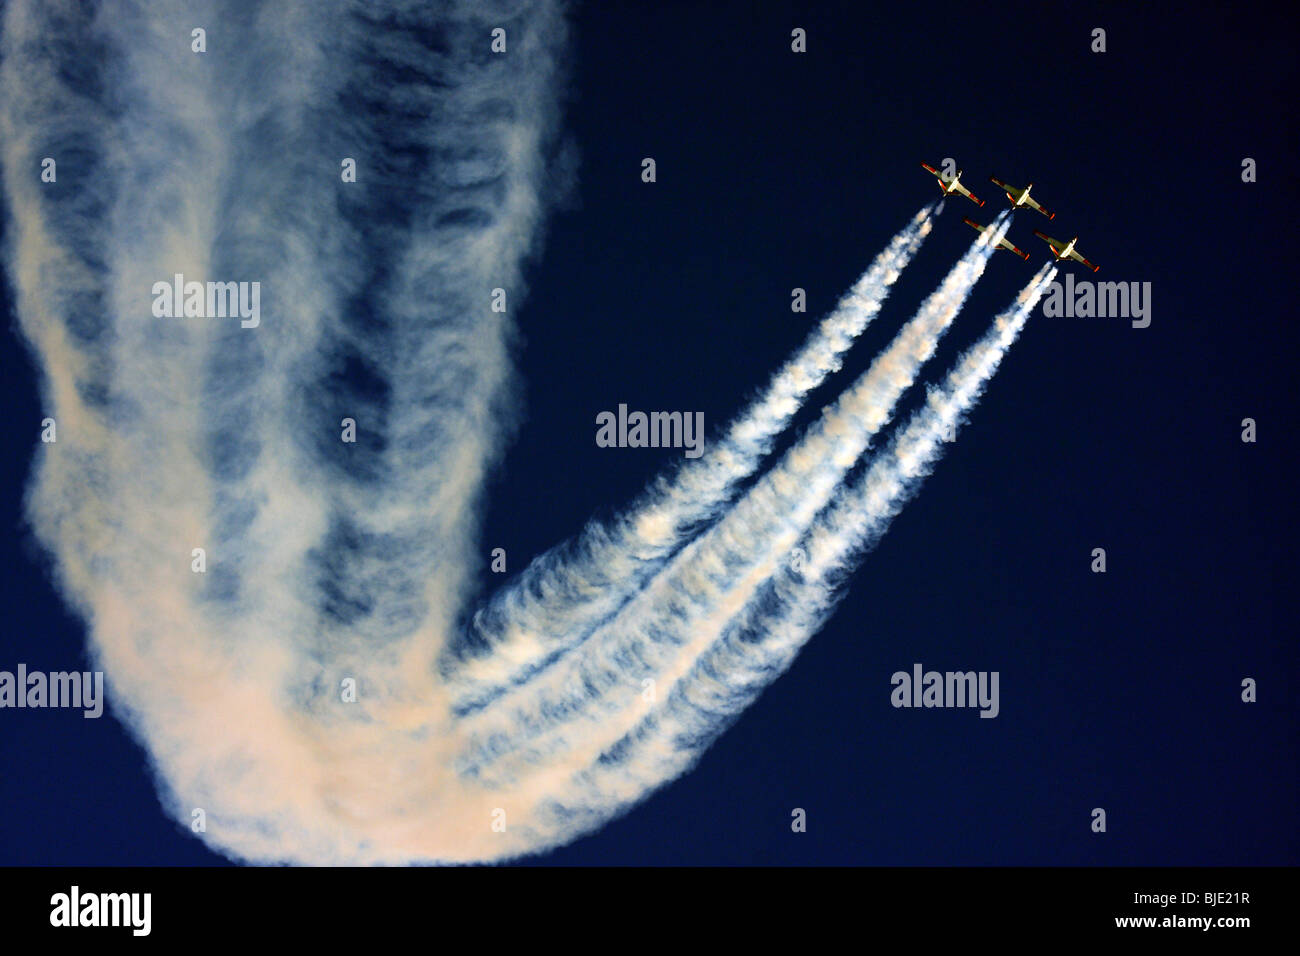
(1052, 216)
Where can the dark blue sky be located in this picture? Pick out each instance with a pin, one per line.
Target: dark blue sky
(778, 170)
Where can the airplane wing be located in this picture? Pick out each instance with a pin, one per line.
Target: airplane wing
(1031, 201)
(958, 187)
(1007, 188)
(1006, 244)
(943, 183)
(1003, 243)
(1056, 244)
(1078, 258)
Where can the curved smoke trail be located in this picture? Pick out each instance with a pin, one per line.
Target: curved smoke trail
(760, 642)
(325, 560)
(584, 701)
(264, 517)
(567, 592)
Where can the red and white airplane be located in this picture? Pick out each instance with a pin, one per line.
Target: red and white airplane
(1003, 243)
(1065, 250)
(952, 187)
(1020, 198)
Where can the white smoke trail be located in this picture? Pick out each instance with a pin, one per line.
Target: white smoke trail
(582, 704)
(566, 593)
(761, 641)
(326, 561)
(297, 690)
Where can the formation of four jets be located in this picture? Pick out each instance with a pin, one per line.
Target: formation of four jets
(1020, 199)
